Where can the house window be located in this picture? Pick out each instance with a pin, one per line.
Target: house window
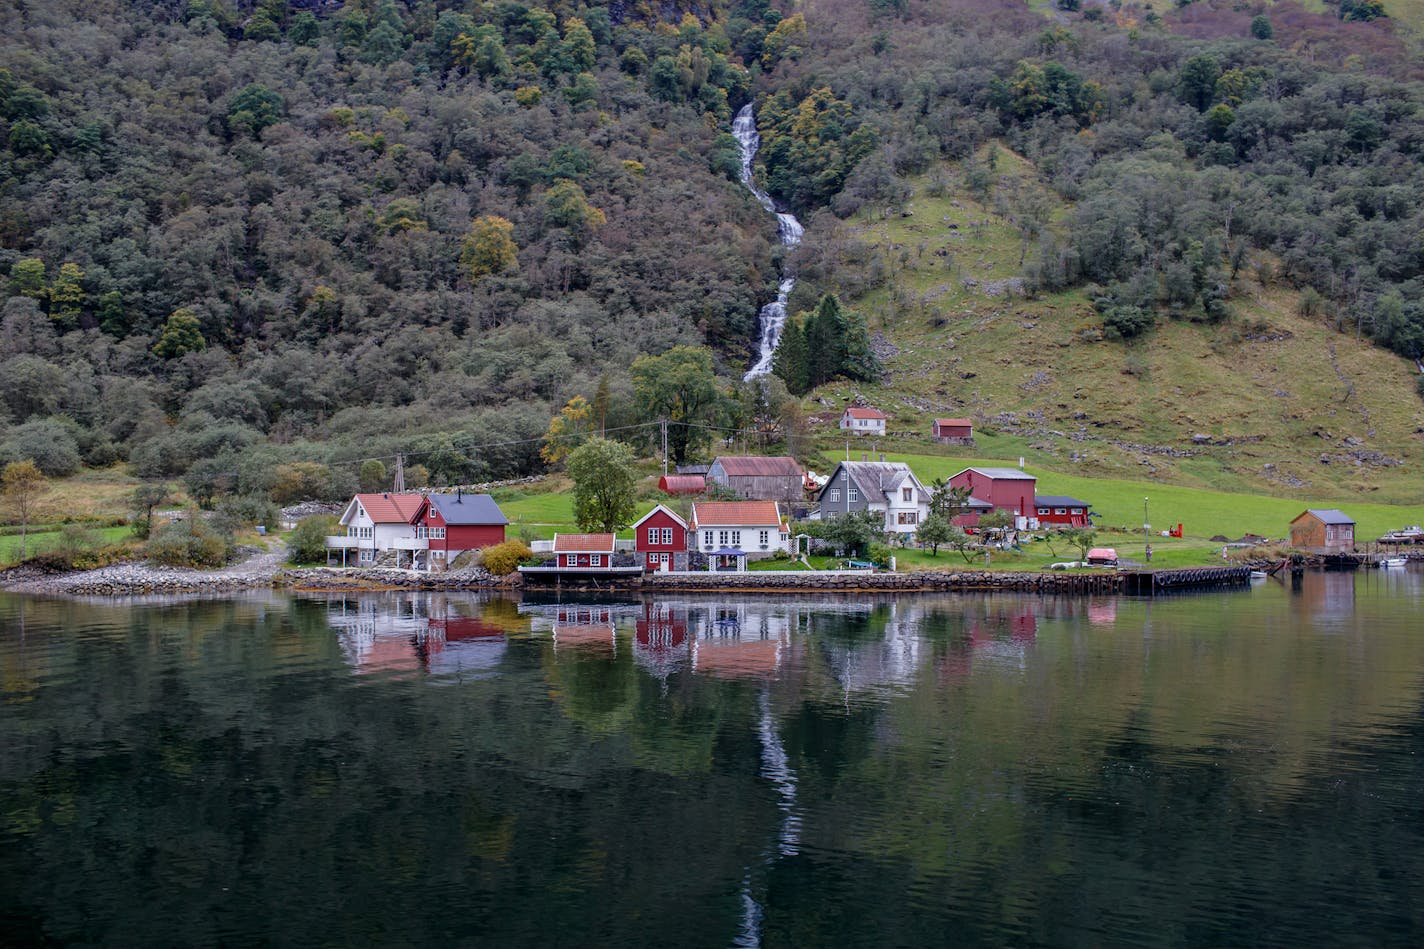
(1077, 510)
(907, 494)
(764, 538)
(834, 495)
(367, 555)
(438, 533)
(666, 535)
(1043, 510)
(736, 538)
(852, 495)
(652, 535)
(1060, 510)
(595, 560)
(706, 538)
(724, 538)
(908, 517)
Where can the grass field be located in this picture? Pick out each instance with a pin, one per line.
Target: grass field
(39, 539)
(1286, 405)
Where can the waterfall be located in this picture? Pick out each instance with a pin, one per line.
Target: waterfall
(788, 231)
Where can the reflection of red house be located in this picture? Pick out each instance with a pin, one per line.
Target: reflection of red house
(589, 627)
(660, 628)
(584, 550)
(1006, 489)
(660, 538)
(735, 659)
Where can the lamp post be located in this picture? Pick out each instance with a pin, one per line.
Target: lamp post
(1146, 537)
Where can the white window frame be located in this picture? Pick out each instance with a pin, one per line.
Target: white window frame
(706, 538)
(764, 538)
(834, 495)
(852, 495)
(595, 560)
(907, 494)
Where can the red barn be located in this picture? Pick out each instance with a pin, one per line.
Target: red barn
(454, 523)
(660, 537)
(1062, 510)
(953, 431)
(584, 550)
(1006, 489)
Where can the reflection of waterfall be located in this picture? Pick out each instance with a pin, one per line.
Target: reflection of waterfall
(776, 769)
(788, 229)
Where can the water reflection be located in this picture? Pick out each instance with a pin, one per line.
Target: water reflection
(1217, 769)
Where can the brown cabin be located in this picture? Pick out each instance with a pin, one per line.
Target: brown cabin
(1323, 531)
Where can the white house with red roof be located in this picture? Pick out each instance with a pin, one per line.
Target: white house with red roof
(376, 524)
(862, 420)
(733, 532)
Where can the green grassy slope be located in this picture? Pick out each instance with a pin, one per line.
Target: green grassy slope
(1270, 402)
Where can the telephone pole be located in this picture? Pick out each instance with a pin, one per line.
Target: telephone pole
(665, 453)
(399, 484)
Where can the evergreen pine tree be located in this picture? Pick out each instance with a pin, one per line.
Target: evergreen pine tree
(861, 363)
(789, 364)
(825, 341)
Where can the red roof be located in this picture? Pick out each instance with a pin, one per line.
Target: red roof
(391, 508)
(583, 543)
(954, 423)
(759, 466)
(855, 412)
(735, 513)
(666, 510)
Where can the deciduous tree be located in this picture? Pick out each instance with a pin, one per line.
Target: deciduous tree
(604, 483)
(23, 484)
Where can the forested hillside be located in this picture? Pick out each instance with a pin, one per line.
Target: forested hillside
(235, 234)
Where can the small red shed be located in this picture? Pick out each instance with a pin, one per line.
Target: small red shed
(682, 484)
(660, 537)
(1061, 510)
(953, 431)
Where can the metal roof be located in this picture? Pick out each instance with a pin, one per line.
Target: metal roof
(1002, 474)
(759, 466)
(460, 509)
(1058, 500)
(876, 478)
(682, 484)
(1327, 515)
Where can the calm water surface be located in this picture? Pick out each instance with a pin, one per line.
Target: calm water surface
(430, 770)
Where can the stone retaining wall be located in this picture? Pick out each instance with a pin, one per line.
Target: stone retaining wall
(855, 582)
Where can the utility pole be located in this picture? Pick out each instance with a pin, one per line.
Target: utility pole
(1146, 537)
(665, 457)
(399, 484)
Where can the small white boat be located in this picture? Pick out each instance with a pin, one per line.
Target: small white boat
(1394, 562)
(1258, 574)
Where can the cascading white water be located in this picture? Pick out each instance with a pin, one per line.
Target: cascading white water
(788, 230)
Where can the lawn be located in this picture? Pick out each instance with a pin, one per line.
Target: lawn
(46, 535)
(1202, 512)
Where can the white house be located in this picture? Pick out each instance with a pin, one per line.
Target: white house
(888, 488)
(863, 421)
(733, 532)
(374, 524)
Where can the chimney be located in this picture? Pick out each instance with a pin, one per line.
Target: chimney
(460, 495)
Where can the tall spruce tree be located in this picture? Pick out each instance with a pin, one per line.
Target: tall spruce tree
(825, 341)
(789, 365)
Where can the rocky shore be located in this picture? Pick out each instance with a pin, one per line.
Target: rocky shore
(921, 581)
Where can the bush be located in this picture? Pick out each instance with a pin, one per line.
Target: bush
(501, 559)
(307, 544)
(189, 542)
(79, 548)
(236, 513)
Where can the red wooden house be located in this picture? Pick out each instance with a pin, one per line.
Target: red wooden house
(1061, 510)
(455, 523)
(1007, 489)
(584, 551)
(660, 537)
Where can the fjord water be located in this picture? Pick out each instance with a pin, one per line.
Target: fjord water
(430, 769)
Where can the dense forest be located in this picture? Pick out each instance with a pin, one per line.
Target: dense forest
(235, 234)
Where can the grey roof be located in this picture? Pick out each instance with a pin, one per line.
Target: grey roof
(468, 509)
(1003, 474)
(1329, 515)
(875, 478)
(1058, 500)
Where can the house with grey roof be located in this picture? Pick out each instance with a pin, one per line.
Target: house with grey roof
(758, 477)
(1323, 530)
(889, 488)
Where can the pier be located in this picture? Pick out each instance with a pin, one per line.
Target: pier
(1154, 582)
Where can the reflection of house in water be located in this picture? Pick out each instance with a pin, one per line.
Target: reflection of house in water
(409, 632)
(584, 625)
(1326, 598)
(1102, 612)
(893, 661)
(660, 643)
(997, 639)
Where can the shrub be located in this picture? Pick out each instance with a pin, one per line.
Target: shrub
(189, 542)
(235, 513)
(307, 544)
(501, 559)
(79, 548)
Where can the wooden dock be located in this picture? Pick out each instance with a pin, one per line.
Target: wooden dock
(1156, 582)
